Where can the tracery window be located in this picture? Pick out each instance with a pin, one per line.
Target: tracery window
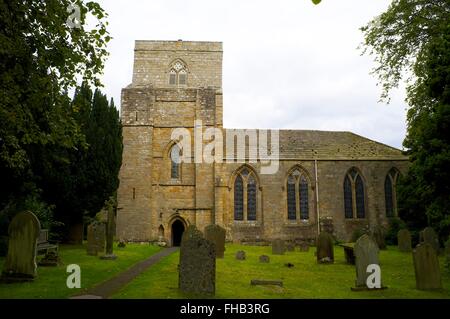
(178, 73)
(354, 195)
(245, 195)
(297, 195)
(390, 192)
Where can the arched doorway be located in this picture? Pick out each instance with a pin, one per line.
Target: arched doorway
(177, 232)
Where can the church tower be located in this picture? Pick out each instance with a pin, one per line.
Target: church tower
(174, 84)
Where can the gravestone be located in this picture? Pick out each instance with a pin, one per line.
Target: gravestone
(240, 255)
(278, 247)
(366, 253)
(379, 234)
(404, 240)
(20, 264)
(426, 267)
(197, 268)
(216, 234)
(264, 259)
(96, 234)
(325, 248)
(304, 247)
(428, 235)
(290, 247)
(110, 231)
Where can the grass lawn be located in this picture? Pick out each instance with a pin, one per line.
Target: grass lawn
(51, 281)
(306, 279)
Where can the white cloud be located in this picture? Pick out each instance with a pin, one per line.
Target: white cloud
(287, 64)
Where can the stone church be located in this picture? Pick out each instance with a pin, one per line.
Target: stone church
(326, 179)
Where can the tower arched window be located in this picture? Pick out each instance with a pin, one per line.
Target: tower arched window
(354, 195)
(178, 73)
(245, 195)
(175, 159)
(390, 192)
(297, 196)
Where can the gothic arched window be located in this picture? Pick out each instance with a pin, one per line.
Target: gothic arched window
(175, 162)
(354, 195)
(297, 196)
(245, 191)
(390, 188)
(178, 73)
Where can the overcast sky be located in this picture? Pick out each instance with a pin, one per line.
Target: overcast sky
(287, 64)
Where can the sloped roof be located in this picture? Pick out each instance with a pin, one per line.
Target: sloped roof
(332, 145)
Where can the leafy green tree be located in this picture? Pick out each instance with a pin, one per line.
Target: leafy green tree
(41, 58)
(411, 41)
(80, 187)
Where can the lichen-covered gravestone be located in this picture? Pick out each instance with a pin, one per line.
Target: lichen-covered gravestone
(20, 262)
(278, 247)
(216, 234)
(96, 236)
(366, 253)
(379, 234)
(428, 235)
(197, 269)
(240, 255)
(325, 248)
(426, 267)
(404, 240)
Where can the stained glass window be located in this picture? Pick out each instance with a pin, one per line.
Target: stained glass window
(359, 189)
(388, 197)
(292, 205)
(178, 74)
(348, 200)
(238, 198)
(251, 199)
(304, 214)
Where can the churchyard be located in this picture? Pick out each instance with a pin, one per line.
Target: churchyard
(50, 282)
(205, 266)
(305, 279)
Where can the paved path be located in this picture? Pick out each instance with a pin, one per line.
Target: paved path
(108, 288)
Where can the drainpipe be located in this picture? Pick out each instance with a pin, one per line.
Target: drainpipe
(317, 197)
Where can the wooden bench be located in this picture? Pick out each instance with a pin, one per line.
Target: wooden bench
(349, 252)
(43, 244)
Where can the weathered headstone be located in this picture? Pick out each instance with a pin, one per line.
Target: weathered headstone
(278, 247)
(428, 235)
(216, 234)
(264, 259)
(426, 267)
(404, 240)
(20, 264)
(197, 269)
(379, 234)
(304, 247)
(240, 255)
(96, 235)
(366, 253)
(325, 248)
(290, 247)
(110, 231)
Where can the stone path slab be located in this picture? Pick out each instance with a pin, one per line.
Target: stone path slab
(111, 286)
